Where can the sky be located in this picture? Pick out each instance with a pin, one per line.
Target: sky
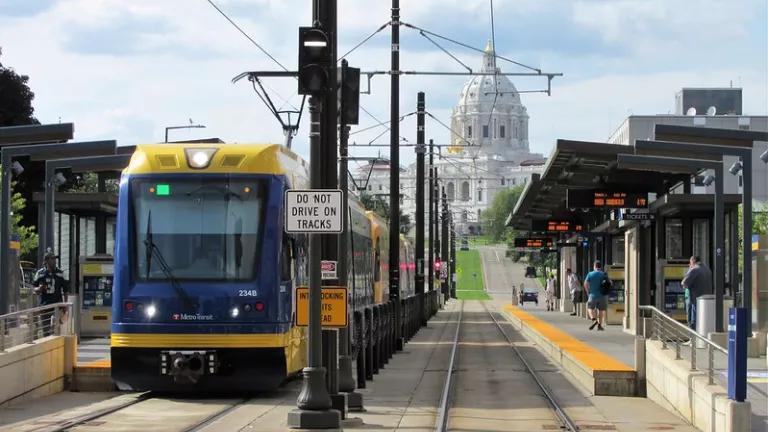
(125, 70)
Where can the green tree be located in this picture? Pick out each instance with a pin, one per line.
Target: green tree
(15, 98)
(27, 236)
(16, 109)
(494, 218)
(376, 204)
(89, 182)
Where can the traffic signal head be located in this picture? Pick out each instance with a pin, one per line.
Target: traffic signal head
(349, 93)
(314, 60)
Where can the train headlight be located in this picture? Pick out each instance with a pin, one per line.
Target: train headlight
(235, 312)
(199, 158)
(150, 311)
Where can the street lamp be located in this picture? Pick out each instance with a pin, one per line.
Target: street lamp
(191, 125)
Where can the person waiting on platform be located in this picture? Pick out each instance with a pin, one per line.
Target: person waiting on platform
(597, 302)
(697, 281)
(549, 293)
(50, 285)
(575, 288)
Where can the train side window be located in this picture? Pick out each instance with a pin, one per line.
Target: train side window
(286, 258)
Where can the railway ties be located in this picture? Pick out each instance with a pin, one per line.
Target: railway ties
(491, 384)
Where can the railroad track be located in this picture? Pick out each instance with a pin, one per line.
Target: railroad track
(441, 423)
(101, 416)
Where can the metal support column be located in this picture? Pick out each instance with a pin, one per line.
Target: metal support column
(420, 150)
(394, 176)
(314, 402)
(445, 253)
(346, 380)
(431, 214)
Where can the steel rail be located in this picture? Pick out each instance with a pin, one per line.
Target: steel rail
(441, 422)
(567, 421)
(85, 418)
(215, 416)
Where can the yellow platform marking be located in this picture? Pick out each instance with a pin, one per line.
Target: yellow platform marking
(96, 364)
(581, 351)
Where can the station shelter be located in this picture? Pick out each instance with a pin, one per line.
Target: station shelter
(84, 240)
(645, 250)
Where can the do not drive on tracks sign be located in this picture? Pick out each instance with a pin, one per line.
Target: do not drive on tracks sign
(333, 310)
(310, 211)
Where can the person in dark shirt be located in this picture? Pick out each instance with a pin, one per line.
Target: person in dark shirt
(49, 282)
(697, 282)
(50, 285)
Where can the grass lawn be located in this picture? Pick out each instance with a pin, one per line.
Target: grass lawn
(469, 276)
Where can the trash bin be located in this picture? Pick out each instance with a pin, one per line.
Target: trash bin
(705, 315)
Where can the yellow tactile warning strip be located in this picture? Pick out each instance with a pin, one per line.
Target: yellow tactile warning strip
(581, 351)
(96, 364)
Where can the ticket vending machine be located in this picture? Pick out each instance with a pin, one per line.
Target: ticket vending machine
(671, 299)
(96, 274)
(615, 313)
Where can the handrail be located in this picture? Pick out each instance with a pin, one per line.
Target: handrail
(682, 327)
(35, 309)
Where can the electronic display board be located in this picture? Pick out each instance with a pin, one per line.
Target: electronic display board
(591, 198)
(555, 226)
(533, 242)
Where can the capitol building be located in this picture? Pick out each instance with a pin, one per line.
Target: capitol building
(489, 151)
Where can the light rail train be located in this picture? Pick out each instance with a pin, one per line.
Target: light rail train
(205, 275)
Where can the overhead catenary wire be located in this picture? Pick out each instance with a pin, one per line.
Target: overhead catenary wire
(383, 26)
(246, 35)
(411, 26)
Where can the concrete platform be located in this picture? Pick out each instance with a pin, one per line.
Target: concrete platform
(600, 373)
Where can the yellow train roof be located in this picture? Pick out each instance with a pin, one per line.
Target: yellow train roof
(227, 158)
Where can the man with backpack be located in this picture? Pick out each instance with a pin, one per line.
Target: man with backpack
(598, 286)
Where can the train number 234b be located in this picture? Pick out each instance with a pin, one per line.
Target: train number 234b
(247, 293)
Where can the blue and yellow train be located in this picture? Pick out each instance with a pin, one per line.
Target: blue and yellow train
(205, 276)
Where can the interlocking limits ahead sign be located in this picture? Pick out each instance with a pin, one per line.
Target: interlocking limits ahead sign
(313, 211)
(333, 309)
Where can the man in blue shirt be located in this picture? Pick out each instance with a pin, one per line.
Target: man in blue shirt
(597, 303)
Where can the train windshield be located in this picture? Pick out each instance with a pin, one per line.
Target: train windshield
(201, 229)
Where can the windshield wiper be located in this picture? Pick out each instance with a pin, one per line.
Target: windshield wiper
(154, 251)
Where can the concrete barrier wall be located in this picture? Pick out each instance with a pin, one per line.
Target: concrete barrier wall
(29, 371)
(672, 384)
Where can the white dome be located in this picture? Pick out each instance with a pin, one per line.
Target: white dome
(484, 88)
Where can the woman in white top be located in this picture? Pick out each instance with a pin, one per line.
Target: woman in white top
(550, 293)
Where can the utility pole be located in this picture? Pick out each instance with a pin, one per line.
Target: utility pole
(445, 254)
(420, 150)
(314, 402)
(317, 77)
(452, 268)
(325, 12)
(346, 381)
(394, 176)
(431, 217)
